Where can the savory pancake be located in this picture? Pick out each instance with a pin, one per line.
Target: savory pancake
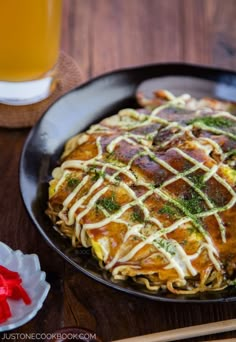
(152, 193)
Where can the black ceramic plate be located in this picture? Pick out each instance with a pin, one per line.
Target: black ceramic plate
(75, 112)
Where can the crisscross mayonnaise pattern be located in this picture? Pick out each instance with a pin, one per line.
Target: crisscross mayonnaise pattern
(179, 260)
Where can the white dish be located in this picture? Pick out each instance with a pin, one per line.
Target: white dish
(33, 281)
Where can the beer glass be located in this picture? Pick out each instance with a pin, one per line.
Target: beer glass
(29, 48)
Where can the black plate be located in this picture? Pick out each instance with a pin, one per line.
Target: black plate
(76, 111)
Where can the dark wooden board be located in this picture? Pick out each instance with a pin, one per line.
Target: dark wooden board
(103, 35)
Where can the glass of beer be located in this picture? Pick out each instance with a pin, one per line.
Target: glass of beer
(29, 48)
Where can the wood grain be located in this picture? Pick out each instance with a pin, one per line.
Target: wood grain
(107, 35)
(103, 35)
(19, 233)
(119, 315)
(187, 332)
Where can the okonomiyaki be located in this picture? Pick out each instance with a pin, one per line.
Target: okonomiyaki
(151, 191)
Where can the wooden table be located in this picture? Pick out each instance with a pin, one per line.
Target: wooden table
(103, 35)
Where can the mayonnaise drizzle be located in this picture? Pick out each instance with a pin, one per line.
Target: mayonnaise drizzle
(178, 259)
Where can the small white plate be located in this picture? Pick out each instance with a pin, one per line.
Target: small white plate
(33, 281)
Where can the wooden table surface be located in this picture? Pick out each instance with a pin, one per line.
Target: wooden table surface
(103, 35)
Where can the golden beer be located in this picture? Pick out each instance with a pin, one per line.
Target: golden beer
(29, 38)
